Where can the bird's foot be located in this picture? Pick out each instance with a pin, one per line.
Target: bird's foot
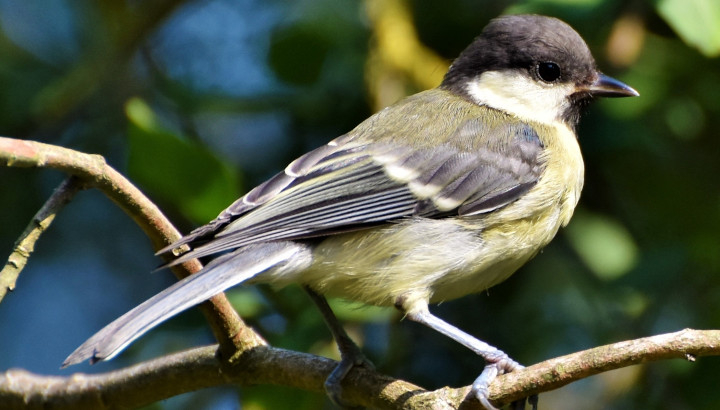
(333, 384)
(496, 366)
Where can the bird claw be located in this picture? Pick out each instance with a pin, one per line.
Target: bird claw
(333, 383)
(533, 400)
(481, 385)
(520, 404)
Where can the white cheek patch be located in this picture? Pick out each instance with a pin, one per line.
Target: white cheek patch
(520, 95)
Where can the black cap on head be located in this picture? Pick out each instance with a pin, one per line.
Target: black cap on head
(522, 42)
(544, 49)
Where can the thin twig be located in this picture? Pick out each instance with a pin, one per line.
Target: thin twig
(25, 245)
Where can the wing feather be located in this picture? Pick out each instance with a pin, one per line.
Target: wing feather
(346, 185)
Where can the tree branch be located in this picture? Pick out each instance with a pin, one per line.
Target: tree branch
(230, 331)
(551, 374)
(245, 358)
(198, 368)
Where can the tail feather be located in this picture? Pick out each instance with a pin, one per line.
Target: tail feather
(222, 273)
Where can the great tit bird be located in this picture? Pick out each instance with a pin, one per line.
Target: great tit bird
(443, 194)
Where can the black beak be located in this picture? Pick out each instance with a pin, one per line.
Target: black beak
(605, 86)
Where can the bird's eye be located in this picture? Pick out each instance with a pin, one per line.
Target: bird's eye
(548, 72)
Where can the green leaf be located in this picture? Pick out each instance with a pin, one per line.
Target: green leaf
(606, 247)
(695, 21)
(177, 170)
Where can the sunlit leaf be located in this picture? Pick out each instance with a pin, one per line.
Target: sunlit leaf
(695, 21)
(604, 244)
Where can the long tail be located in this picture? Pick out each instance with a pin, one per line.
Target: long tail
(222, 273)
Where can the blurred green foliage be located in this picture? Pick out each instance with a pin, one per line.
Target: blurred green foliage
(197, 101)
(183, 172)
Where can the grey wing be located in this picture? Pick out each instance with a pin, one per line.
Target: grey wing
(345, 186)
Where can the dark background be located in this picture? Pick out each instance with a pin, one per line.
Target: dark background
(198, 101)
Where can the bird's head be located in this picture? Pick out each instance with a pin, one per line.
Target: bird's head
(534, 67)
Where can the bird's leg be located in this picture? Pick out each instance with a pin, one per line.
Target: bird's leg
(350, 354)
(497, 361)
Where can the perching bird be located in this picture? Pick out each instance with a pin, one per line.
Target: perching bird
(443, 194)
